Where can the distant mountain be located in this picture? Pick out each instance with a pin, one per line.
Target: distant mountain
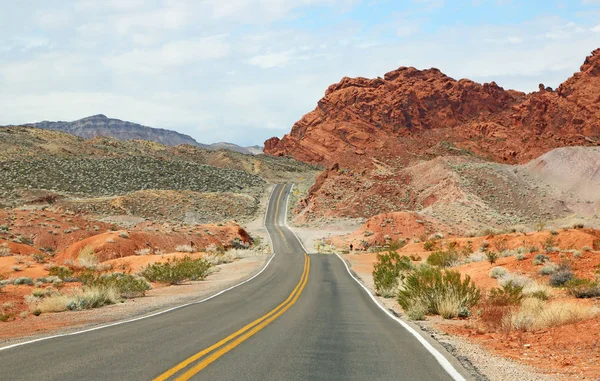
(101, 125)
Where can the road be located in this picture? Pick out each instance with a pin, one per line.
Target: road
(302, 318)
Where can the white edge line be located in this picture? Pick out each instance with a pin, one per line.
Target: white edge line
(441, 359)
(155, 313)
(285, 221)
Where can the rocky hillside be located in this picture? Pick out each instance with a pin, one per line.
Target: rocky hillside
(106, 176)
(409, 112)
(101, 125)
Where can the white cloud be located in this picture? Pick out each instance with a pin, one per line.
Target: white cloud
(271, 60)
(52, 19)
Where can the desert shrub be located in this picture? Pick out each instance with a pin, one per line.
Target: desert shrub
(540, 259)
(86, 298)
(536, 290)
(586, 249)
(39, 257)
(467, 250)
(516, 279)
(4, 250)
(596, 244)
(62, 272)
(16, 268)
(430, 245)
(177, 270)
(492, 256)
(23, 281)
(559, 278)
(417, 311)
(184, 249)
(520, 256)
(476, 257)
(87, 258)
(498, 272)
(440, 291)
(124, 235)
(127, 285)
(368, 233)
(510, 294)
(145, 251)
(443, 258)
(387, 272)
(583, 288)
(548, 269)
(396, 245)
(49, 279)
(217, 258)
(550, 244)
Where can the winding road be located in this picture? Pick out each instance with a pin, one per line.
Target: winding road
(303, 317)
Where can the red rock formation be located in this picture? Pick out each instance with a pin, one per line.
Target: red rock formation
(409, 111)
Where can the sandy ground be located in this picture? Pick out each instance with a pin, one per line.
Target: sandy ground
(157, 299)
(310, 235)
(493, 367)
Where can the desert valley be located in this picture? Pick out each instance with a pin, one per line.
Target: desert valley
(471, 211)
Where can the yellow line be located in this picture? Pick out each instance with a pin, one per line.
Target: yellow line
(210, 359)
(198, 355)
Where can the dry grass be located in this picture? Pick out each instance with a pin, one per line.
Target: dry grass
(449, 307)
(185, 249)
(87, 257)
(81, 299)
(536, 315)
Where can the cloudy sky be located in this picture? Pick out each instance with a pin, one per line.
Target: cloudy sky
(245, 70)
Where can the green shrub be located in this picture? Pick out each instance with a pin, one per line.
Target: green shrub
(177, 270)
(39, 257)
(61, 271)
(127, 285)
(492, 256)
(549, 269)
(433, 287)
(583, 288)
(387, 272)
(23, 280)
(540, 259)
(510, 294)
(443, 258)
(430, 245)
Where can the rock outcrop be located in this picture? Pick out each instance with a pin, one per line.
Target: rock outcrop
(410, 111)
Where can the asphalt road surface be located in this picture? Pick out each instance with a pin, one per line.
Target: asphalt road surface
(302, 318)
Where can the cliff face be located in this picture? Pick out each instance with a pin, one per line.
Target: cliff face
(408, 112)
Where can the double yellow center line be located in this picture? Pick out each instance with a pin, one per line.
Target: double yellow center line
(207, 356)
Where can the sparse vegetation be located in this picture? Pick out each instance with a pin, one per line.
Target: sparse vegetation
(549, 269)
(87, 257)
(388, 271)
(559, 278)
(440, 291)
(176, 271)
(443, 258)
(492, 256)
(185, 249)
(540, 259)
(583, 288)
(498, 272)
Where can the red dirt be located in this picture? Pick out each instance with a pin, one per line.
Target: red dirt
(571, 349)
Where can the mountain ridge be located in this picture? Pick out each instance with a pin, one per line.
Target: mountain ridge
(101, 125)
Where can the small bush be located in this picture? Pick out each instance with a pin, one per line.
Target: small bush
(521, 256)
(536, 290)
(39, 257)
(23, 281)
(540, 259)
(559, 278)
(492, 256)
(62, 272)
(516, 279)
(536, 315)
(124, 235)
(434, 287)
(416, 311)
(387, 272)
(498, 272)
(583, 288)
(184, 249)
(145, 251)
(177, 270)
(508, 295)
(430, 245)
(443, 258)
(16, 268)
(548, 269)
(586, 249)
(128, 286)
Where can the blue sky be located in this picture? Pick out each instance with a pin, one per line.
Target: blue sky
(245, 70)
